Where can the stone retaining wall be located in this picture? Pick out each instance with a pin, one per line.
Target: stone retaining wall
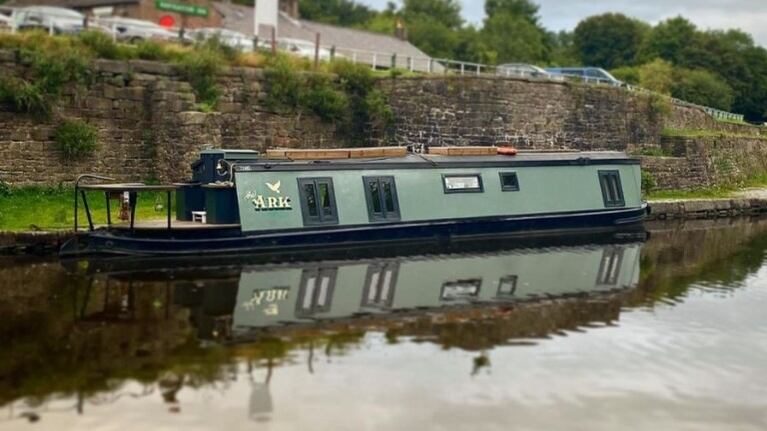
(149, 126)
(708, 208)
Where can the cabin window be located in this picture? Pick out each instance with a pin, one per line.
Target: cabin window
(315, 294)
(380, 284)
(461, 289)
(462, 183)
(507, 286)
(612, 192)
(381, 195)
(509, 182)
(318, 201)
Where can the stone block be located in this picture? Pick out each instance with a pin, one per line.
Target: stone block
(699, 206)
(153, 67)
(99, 103)
(130, 93)
(111, 66)
(7, 56)
(191, 118)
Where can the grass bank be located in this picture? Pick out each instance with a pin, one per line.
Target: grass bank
(719, 192)
(35, 208)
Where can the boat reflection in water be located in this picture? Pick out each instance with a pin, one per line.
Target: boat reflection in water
(264, 296)
(241, 303)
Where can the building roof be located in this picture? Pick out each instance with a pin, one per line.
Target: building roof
(360, 45)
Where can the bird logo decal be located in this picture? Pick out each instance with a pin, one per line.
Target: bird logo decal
(275, 187)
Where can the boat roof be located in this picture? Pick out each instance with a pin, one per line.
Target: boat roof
(413, 160)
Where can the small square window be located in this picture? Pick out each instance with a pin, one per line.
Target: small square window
(507, 286)
(462, 183)
(509, 182)
(461, 289)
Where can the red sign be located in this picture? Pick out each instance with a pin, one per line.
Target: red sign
(167, 21)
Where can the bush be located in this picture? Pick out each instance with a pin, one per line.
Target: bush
(151, 50)
(659, 106)
(284, 85)
(356, 79)
(76, 139)
(5, 189)
(201, 68)
(322, 99)
(648, 182)
(102, 45)
(24, 96)
(379, 112)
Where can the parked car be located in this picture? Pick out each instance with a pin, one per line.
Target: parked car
(588, 74)
(302, 48)
(230, 38)
(6, 22)
(57, 19)
(136, 30)
(522, 69)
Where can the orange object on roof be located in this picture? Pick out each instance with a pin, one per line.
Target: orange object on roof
(507, 151)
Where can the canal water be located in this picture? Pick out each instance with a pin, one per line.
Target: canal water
(589, 333)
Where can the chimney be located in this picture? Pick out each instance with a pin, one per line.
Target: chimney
(400, 32)
(290, 7)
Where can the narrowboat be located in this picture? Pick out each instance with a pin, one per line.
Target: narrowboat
(296, 200)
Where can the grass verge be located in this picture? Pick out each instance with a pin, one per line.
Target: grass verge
(719, 192)
(703, 133)
(37, 208)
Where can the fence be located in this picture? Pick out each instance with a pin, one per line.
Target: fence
(73, 22)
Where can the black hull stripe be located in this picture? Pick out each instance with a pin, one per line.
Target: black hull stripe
(106, 242)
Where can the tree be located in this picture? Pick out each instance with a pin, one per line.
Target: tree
(432, 37)
(628, 74)
(339, 12)
(562, 49)
(523, 8)
(446, 12)
(610, 40)
(512, 38)
(669, 40)
(702, 87)
(658, 76)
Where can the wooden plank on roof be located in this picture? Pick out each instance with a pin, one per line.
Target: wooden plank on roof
(463, 151)
(315, 154)
(362, 153)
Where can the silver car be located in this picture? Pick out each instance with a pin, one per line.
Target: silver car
(229, 38)
(135, 30)
(521, 69)
(57, 20)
